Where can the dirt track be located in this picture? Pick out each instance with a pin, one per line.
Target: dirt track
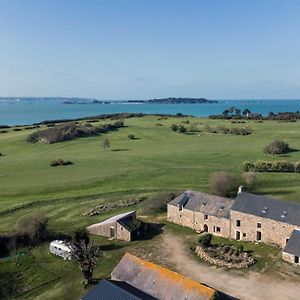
(249, 286)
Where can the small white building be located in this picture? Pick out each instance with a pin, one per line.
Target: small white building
(60, 248)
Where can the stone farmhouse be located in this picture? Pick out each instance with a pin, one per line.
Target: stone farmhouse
(249, 217)
(122, 227)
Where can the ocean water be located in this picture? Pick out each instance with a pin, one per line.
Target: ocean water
(21, 112)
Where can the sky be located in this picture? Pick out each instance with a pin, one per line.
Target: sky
(138, 49)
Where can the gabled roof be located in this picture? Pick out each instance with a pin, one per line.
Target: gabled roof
(158, 281)
(115, 290)
(114, 218)
(266, 207)
(205, 203)
(293, 245)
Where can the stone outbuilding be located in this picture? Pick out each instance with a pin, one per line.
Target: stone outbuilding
(291, 251)
(202, 212)
(124, 227)
(159, 282)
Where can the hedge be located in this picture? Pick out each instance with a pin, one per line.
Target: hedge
(271, 166)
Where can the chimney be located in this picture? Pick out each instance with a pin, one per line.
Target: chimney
(241, 189)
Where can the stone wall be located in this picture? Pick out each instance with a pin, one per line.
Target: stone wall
(221, 263)
(272, 232)
(288, 257)
(197, 220)
(122, 233)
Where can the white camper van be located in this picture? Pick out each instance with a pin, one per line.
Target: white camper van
(60, 248)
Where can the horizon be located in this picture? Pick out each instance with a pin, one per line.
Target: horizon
(145, 50)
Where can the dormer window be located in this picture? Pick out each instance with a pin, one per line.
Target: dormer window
(283, 215)
(264, 211)
(204, 204)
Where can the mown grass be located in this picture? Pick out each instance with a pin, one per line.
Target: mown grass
(159, 160)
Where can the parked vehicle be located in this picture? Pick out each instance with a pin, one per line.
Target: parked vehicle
(60, 248)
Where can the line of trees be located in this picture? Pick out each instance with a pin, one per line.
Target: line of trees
(271, 166)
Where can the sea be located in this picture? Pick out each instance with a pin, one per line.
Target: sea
(29, 111)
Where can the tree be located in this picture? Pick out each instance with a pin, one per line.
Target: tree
(174, 127)
(221, 183)
(225, 113)
(105, 143)
(277, 147)
(246, 112)
(86, 254)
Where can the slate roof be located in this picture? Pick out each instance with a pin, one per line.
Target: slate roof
(130, 223)
(293, 245)
(266, 207)
(115, 218)
(116, 290)
(158, 281)
(205, 203)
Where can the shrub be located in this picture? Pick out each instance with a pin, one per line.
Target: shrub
(221, 183)
(297, 167)
(182, 129)
(131, 136)
(249, 178)
(174, 127)
(205, 240)
(35, 227)
(157, 203)
(105, 143)
(277, 147)
(247, 166)
(59, 162)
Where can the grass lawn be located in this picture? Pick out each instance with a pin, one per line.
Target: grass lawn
(159, 160)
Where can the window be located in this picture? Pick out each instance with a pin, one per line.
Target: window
(121, 228)
(238, 223)
(258, 225)
(217, 229)
(237, 235)
(286, 240)
(244, 234)
(296, 260)
(205, 217)
(258, 236)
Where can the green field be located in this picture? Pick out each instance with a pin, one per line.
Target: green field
(158, 160)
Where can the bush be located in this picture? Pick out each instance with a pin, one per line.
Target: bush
(205, 240)
(59, 162)
(221, 183)
(182, 129)
(131, 136)
(247, 166)
(35, 227)
(297, 167)
(157, 203)
(174, 127)
(249, 178)
(277, 147)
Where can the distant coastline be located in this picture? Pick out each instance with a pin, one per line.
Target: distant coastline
(72, 100)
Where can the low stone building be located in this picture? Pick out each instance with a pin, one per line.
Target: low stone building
(249, 218)
(159, 282)
(291, 251)
(202, 212)
(122, 227)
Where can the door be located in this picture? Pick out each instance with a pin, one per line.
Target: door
(112, 231)
(205, 228)
(258, 236)
(237, 235)
(296, 260)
